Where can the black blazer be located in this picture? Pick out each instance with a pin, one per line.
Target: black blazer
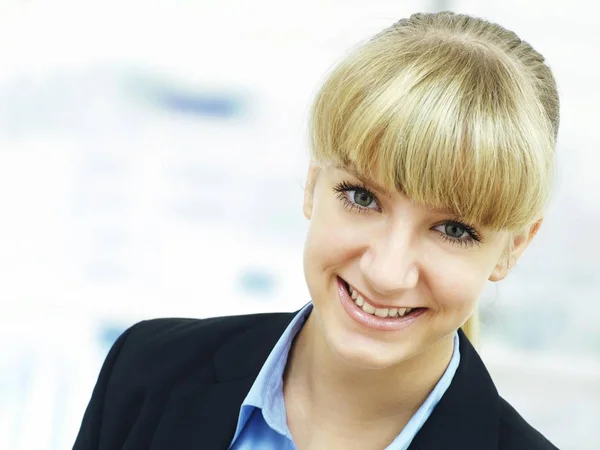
(178, 384)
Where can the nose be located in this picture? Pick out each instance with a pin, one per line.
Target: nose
(390, 263)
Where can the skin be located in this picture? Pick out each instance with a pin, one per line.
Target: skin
(348, 386)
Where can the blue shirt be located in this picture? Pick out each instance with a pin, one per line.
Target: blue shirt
(262, 420)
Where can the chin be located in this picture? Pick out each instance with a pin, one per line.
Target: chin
(363, 351)
(368, 361)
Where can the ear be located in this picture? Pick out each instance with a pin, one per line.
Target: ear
(311, 179)
(516, 248)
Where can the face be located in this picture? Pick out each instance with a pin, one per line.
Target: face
(373, 247)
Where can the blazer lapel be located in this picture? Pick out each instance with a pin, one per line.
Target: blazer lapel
(468, 415)
(207, 412)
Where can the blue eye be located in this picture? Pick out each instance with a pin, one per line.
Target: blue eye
(458, 233)
(362, 198)
(359, 198)
(356, 197)
(455, 231)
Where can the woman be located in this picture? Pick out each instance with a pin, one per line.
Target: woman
(432, 160)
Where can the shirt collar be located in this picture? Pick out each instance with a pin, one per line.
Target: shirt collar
(266, 392)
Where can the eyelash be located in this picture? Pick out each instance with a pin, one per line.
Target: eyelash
(342, 188)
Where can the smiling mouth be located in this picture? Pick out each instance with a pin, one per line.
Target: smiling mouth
(392, 313)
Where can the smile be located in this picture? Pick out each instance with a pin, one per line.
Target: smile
(375, 316)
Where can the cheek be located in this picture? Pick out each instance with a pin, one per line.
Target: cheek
(456, 283)
(332, 240)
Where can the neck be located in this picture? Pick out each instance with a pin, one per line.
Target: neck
(331, 390)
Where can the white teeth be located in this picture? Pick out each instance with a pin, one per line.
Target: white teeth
(381, 312)
(368, 308)
(360, 301)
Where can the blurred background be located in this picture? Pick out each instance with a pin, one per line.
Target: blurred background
(152, 158)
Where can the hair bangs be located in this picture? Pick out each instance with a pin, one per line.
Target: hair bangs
(449, 126)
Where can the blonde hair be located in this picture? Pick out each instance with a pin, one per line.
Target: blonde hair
(453, 111)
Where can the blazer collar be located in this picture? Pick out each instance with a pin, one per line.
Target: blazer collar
(244, 354)
(206, 412)
(466, 417)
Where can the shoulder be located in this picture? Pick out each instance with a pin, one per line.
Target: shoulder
(472, 414)
(157, 334)
(516, 433)
(147, 362)
(160, 347)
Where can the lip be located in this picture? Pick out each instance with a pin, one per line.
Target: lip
(369, 320)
